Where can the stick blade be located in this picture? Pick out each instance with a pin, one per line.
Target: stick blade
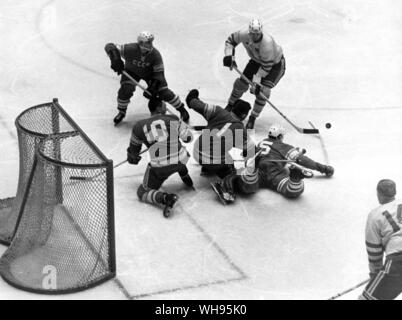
(78, 178)
(310, 131)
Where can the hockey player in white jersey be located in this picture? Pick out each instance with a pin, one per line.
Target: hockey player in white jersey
(265, 68)
(384, 238)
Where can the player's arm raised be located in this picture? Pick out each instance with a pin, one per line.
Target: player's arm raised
(230, 44)
(113, 52)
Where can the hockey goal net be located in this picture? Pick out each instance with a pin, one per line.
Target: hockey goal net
(60, 225)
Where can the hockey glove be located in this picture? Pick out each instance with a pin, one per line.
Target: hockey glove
(153, 87)
(228, 61)
(193, 94)
(132, 158)
(117, 66)
(256, 87)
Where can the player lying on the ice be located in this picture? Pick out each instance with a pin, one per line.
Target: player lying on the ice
(224, 131)
(279, 166)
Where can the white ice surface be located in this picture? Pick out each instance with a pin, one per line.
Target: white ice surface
(344, 66)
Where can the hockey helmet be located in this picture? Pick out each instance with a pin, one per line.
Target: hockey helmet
(255, 26)
(275, 131)
(145, 39)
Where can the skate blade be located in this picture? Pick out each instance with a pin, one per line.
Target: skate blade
(217, 193)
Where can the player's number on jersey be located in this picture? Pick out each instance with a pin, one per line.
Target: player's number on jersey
(265, 146)
(157, 132)
(392, 222)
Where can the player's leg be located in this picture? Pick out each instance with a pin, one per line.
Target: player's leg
(311, 164)
(173, 99)
(240, 86)
(267, 83)
(148, 190)
(185, 176)
(153, 179)
(248, 181)
(387, 284)
(291, 184)
(124, 95)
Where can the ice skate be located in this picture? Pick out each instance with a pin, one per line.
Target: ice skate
(117, 119)
(170, 200)
(223, 196)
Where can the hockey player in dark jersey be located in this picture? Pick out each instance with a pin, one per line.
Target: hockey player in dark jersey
(142, 61)
(224, 131)
(272, 171)
(161, 134)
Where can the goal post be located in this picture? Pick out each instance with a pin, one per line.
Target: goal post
(63, 239)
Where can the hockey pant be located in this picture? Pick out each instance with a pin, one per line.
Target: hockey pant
(154, 178)
(386, 284)
(221, 170)
(267, 83)
(245, 183)
(127, 88)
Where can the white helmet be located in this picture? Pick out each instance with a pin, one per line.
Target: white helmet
(255, 26)
(145, 37)
(275, 131)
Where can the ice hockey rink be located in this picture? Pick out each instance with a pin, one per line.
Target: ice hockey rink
(344, 66)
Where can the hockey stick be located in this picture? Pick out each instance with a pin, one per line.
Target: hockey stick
(300, 130)
(309, 173)
(197, 128)
(349, 290)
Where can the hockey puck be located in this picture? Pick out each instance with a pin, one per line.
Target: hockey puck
(328, 125)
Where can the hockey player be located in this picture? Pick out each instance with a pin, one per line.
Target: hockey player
(161, 134)
(142, 61)
(273, 173)
(244, 181)
(224, 131)
(384, 236)
(265, 68)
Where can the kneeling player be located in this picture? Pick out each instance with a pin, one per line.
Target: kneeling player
(161, 134)
(272, 171)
